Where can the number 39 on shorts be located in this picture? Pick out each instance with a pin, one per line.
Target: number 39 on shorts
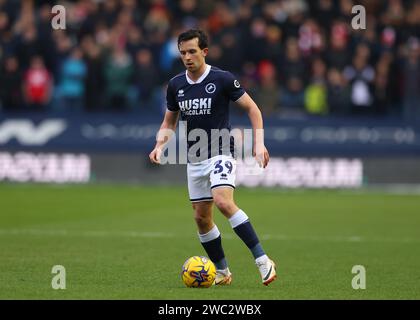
(220, 166)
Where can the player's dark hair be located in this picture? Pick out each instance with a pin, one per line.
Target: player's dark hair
(203, 41)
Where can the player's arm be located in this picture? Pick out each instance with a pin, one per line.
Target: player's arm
(259, 151)
(165, 132)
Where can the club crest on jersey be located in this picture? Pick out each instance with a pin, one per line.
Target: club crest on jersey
(210, 87)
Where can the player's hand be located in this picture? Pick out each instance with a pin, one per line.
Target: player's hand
(261, 156)
(154, 156)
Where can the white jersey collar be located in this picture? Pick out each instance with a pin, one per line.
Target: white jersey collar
(202, 77)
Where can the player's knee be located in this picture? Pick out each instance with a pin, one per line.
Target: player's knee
(202, 220)
(223, 204)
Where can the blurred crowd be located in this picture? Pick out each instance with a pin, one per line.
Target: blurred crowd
(294, 57)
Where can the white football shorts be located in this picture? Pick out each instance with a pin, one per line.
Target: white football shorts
(203, 176)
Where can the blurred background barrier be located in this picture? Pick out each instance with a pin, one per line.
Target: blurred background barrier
(125, 133)
(89, 98)
(296, 172)
(337, 153)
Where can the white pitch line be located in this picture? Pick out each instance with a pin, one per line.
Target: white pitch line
(88, 233)
(227, 236)
(339, 239)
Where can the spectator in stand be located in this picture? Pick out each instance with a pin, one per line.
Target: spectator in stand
(267, 93)
(187, 11)
(5, 32)
(292, 98)
(311, 41)
(231, 53)
(293, 65)
(10, 84)
(249, 80)
(28, 46)
(316, 92)
(412, 22)
(45, 40)
(411, 81)
(394, 13)
(295, 11)
(94, 81)
(338, 54)
(338, 95)
(62, 47)
(37, 85)
(169, 55)
(324, 11)
(71, 88)
(360, 76)
(383, 85)
(119, 70)
(273, 48)
(244, 34)
(255, 39)
(135, 41)
(147, 79)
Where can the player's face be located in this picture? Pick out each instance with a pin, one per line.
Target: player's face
(192, 56)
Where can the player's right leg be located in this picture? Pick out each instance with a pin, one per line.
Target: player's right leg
(211, 240)
(208, 233)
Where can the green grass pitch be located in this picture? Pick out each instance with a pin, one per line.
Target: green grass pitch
(129, 242)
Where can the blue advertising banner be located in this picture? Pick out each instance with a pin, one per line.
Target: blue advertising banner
(137, 133)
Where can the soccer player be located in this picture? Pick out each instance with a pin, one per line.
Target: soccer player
(201, 96)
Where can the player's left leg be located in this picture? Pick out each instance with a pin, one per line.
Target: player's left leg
(223, 199)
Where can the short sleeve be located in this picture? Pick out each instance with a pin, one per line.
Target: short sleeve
(233, 87)
(170, 98)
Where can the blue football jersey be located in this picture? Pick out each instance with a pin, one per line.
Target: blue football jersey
(204, 104)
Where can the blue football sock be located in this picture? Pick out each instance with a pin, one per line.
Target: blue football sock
(243, 228)
(212, 243)
(215, 252)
